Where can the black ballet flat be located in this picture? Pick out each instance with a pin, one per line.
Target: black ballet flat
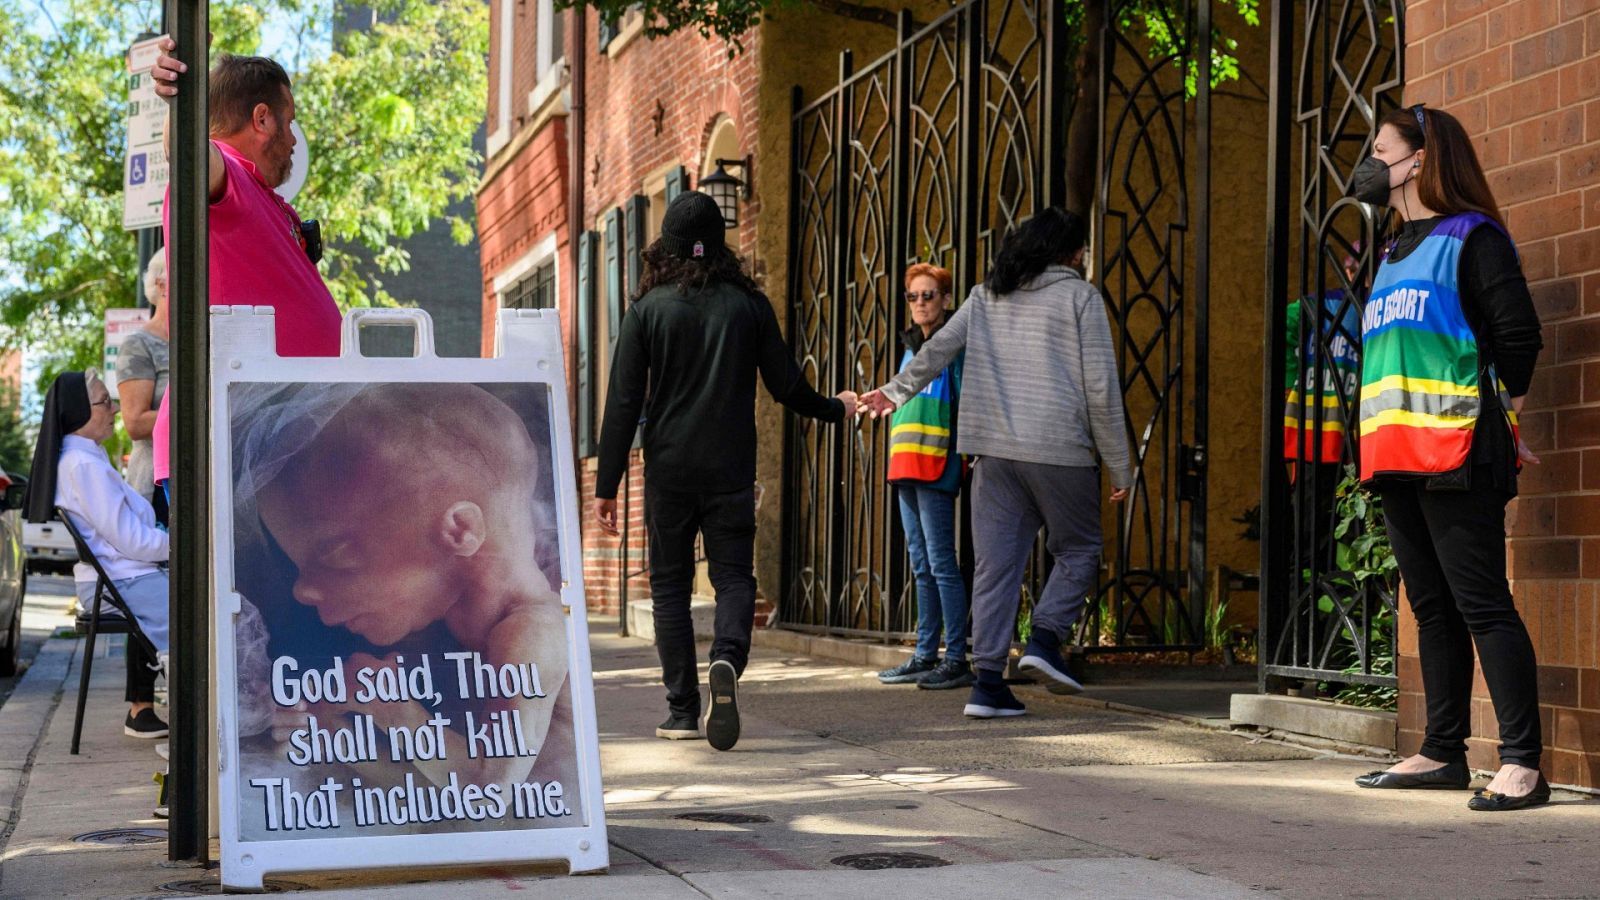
(1488, 801)
(1448, 777)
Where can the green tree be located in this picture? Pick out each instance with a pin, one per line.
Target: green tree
(1165, 25)
(16, 438)
(389, 114)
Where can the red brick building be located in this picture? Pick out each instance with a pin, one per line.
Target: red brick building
(593, 128)
(1524, 78)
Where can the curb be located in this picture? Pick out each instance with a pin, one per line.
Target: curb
(24, 721)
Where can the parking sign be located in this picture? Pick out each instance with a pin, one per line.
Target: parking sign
(144, 180)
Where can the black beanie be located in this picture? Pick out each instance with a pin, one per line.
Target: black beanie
(692, 226)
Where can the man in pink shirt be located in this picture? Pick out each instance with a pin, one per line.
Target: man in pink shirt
(258, 254)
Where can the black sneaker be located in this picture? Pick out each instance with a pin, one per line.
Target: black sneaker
(993, 703)
(679, 727)
(1043, 658)
(950, 674)
(722, 723)
(913, 669)
(146, 725)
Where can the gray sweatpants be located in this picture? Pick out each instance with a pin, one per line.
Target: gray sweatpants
(1010, 501)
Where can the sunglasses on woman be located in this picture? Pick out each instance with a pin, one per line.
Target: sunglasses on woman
(923, 296)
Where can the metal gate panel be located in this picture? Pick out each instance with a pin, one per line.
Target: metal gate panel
(930, 153)
(1155, 592)
(1346, 71)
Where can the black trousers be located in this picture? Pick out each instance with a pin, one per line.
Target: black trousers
(141, 684)
(727, 522)
(1451, 547)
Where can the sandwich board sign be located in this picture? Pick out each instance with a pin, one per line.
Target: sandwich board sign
(403, 673)
(144, 165)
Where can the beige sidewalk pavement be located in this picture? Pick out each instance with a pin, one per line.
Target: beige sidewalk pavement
(1070, 801)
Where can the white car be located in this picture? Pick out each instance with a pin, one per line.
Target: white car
(49, 546)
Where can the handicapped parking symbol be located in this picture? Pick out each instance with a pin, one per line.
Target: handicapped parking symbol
(136, 169)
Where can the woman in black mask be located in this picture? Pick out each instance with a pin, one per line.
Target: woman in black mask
(1449, 341)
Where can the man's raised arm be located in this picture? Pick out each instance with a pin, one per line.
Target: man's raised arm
(166, 72)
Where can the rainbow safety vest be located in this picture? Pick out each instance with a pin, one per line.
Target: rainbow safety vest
(922, 432)
(1420, 367)
(1308, 389)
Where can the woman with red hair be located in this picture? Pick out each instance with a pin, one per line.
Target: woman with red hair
(926, 473)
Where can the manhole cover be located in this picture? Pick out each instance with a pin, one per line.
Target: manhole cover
(123, 836)
(875, 861)
(212, 886)
(726, 818)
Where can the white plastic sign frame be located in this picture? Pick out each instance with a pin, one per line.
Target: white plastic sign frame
(529, 351)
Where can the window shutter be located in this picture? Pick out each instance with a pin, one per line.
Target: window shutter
(586, 354)
(677, 182)
(638, 204)
(613, 275)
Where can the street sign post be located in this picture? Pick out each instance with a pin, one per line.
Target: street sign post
(190, 373)
(402, 667)
(119, 324)
(144, 170)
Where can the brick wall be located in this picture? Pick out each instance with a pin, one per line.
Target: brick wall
(524, 201)
(1524, 78)
(602, 554)
(695, 84)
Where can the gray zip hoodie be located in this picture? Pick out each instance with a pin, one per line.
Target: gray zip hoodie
(1041, 381)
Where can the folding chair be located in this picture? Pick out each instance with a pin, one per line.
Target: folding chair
(92, 622)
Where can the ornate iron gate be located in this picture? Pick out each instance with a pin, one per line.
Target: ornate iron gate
(1154, 596)
(1319, 620)
(930, 153)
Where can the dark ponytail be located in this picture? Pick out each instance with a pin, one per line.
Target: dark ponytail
(1050, 237)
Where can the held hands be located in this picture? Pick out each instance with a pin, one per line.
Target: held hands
(875, 404)
(850, 401)
(1119, 495)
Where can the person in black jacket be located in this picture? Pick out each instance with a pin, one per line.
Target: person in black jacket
(687, 355)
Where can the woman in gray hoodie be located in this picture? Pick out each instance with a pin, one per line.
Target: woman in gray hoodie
(1041, 398)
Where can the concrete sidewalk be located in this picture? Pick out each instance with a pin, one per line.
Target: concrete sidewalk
(1069, 801)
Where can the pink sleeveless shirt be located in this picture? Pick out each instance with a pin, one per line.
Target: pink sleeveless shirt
(257, 260)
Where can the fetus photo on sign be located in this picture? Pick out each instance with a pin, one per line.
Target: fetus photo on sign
(402, 648)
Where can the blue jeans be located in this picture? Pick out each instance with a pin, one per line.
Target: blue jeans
(146, 596)
(928, 518)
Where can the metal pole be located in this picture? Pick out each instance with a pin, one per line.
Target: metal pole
(1198, 509)
(189, 673)
(789, 512)
(836, 374)
(1274, 537)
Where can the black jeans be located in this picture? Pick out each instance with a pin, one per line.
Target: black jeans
(1451, 547)
(727, 522)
